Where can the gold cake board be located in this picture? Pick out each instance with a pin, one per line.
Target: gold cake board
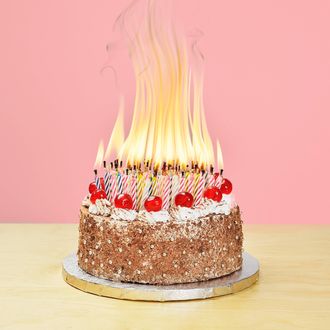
(232, 283)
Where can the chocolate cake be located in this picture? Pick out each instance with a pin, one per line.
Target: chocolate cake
(160, 252)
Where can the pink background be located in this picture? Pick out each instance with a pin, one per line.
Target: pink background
(267, 84)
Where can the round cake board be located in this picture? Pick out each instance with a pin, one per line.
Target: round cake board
(232, 283)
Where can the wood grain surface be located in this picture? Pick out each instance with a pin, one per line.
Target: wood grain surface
(293, 291)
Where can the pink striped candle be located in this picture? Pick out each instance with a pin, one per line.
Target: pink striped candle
(211, 181)
(199, 189)
(133, 187)
(191, 183)
(125, 182)
(218, 180)
(166, 191)
(114, 190)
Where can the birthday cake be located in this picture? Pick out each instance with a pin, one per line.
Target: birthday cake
(159, 210)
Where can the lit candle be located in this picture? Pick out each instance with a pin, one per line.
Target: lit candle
(199, 189)
(175, 187)
(133, 186)
(107, 180)
(97, 180)
(211, 181)
(113, 185)
(191, 183)
(125, 181)
(146, 188)
(120, 183)
(166, 191)
(140, 186)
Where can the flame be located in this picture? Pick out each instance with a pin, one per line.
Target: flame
(219, 157)
(99, 155)
(117, 136)
(168, 121)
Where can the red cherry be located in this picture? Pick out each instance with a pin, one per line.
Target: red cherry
(124, 201)
(226, 187)
(153, 204)
(98, 194)
(184, 199)
(102, 184)
(213, 193)
(92, 187)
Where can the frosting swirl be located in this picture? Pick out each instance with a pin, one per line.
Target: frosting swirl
(101, 207)
(161, 216)
(123, 214)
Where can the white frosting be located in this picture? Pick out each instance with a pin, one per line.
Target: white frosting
(208, 206)
(123, 214)
(101, 207)
(185, 213)
(162, 216)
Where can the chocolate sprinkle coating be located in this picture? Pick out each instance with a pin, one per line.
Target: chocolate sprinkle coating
(162, 252)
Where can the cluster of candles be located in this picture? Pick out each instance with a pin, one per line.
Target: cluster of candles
(144, 180)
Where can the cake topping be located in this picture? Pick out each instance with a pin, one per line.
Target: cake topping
(184, 199)
(97, 194)
(185, 213)
(226, 186)
(213, 193)
(123, 214)
(101, 207)
(92, 187)
(161, 216)
(124, 201)
(153, 204)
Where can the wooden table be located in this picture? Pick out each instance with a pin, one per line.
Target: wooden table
(293, 290)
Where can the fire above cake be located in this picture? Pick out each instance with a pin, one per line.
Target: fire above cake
(159, 210)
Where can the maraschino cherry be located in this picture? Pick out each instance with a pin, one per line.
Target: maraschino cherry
(213, 193)
(98, 194)
(153, 204)
(226, 186)
(92, 187)
(185, 199)
(124, 201)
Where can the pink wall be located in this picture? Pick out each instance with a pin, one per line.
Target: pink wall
(266, 92)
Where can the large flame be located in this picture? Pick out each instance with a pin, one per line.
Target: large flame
(168, 122)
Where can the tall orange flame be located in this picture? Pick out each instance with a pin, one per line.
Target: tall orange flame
(168, 122)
